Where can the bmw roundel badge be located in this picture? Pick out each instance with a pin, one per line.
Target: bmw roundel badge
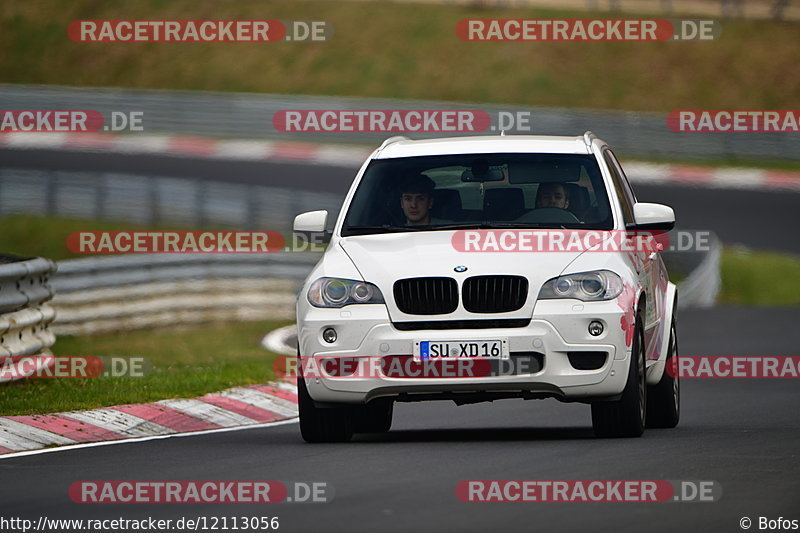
(460, 268)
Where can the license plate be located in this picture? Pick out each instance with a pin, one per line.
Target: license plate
(444, 350)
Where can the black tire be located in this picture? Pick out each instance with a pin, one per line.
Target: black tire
(374, 417)
(664, 398)
(333, 424)
(626, 417)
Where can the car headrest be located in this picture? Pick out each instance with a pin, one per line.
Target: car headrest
(578, 197)
(447, 204)
(503, 203)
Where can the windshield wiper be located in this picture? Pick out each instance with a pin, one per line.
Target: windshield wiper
(390, 228)
(501, 225)
(385, 228)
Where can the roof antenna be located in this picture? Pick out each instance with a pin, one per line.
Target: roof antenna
(502, 133)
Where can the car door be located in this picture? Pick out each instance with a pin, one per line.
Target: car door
(648, 263)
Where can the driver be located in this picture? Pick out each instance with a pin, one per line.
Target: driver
(552, 195)
(416, 199)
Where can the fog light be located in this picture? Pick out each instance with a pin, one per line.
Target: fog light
(595, 328)
(329, 335)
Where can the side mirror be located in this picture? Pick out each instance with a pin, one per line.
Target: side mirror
(311, 222)
(653, 216)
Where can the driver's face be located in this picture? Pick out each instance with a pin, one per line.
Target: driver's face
(553, 196)
(416, 207)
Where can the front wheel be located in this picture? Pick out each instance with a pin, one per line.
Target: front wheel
(626, 417)
(334, 424)
(664, 398)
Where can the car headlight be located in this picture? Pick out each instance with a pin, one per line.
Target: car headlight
(586, 286)
(337, 292)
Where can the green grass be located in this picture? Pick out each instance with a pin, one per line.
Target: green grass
(759, 278)
(186, 363)
(408, 50)
(29, 235)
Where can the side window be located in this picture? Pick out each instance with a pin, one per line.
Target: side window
(621, 186)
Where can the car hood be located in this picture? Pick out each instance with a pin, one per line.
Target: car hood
(385, 258)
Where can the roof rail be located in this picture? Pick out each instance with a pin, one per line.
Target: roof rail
(588, 137)
(394, 139)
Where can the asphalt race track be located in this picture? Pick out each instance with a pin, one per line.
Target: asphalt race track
(740, 433)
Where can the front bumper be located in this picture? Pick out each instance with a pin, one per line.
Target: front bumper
(558, 327)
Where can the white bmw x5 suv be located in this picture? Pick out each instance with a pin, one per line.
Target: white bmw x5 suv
(479, 268)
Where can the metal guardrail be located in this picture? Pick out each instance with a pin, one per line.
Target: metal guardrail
(152, 200)
(103, 294)
(131, 269)
(701, 287)
(24, 282)
(633, 134)
(24, 314)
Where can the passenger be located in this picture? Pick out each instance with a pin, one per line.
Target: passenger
(552, 195)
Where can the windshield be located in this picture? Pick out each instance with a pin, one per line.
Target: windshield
(479, 191)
